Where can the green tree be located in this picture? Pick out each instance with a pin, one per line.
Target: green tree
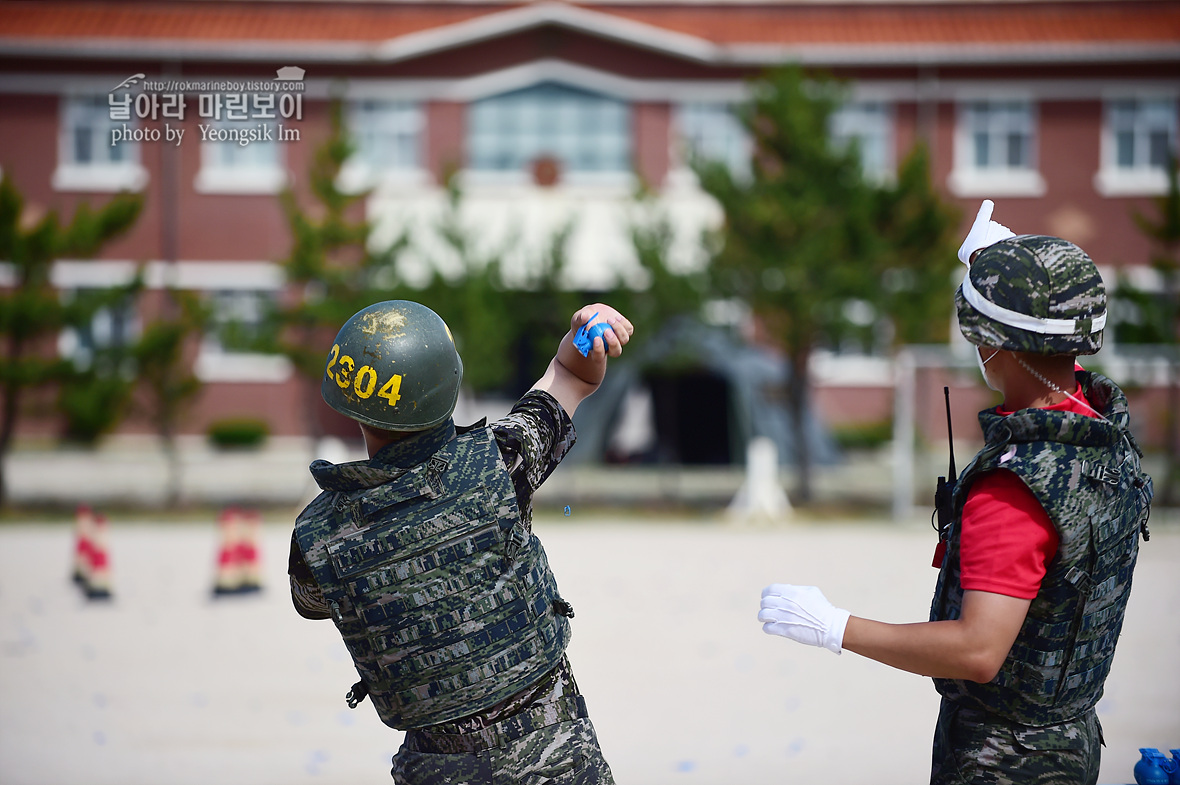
(1162, 313)
(806, 235)
(470, 295)
(542, 305)
(664, 292)
(332, 269)
(164, 368)
(506, 329)
(917, 254)
(31, 311)
(94, 395)
(798, 231)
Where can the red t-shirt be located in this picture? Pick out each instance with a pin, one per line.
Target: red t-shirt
(1006, 537)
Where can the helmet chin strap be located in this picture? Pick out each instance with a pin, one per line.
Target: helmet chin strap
(1056, 388)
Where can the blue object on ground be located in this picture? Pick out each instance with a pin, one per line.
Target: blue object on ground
(1149, 770)
(1172, 766)
(584, 337)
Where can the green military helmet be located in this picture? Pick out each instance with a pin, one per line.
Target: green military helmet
(394, 366)
(1035, 294)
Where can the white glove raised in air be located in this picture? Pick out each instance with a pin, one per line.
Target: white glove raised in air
(984, 232)
(803, 614)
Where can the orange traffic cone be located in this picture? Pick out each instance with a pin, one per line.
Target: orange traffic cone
(229, 573)
(249, 561)
(97, 585)
(83, 527)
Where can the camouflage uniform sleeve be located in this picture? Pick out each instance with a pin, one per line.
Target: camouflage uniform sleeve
(306, 596)
(533, 438)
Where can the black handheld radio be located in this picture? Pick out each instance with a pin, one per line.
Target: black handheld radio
(945, 489)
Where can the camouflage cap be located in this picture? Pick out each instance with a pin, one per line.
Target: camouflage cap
(1033, 293)
(394, 366)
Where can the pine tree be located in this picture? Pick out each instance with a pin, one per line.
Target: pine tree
(917, 256)
(806, 233)
(164, 368)
(32, 313)
(1164, 231)
(332, 269)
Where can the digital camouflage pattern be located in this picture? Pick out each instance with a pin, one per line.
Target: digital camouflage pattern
(566, 753)
(1028, 274)
(975, 748)
(552, 740)
(442, 595)
(393, 366)
(1085, 472)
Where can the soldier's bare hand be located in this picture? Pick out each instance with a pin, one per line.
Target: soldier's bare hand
(612, 341)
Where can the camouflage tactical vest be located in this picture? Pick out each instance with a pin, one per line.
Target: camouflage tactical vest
(444, 599)
(1085, 472)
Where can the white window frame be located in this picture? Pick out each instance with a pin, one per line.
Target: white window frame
(592, 178)
(1140, 179)
(391, 118)
(218, 177)
(871, 121)
(969, 180)
(70, 345)
(96, 175)
(216, 363)
(213, 363)
(708, 124)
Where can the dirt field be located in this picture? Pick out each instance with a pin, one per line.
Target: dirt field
(165, 686)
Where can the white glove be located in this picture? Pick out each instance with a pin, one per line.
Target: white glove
(803, 614)
(984, 232)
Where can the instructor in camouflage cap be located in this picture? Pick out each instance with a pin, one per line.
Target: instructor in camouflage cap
(424, 555)
(1035, 564)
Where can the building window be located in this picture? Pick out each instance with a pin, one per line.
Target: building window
(995, 150)
(388, 140)
(1001, 135)
(583, 132)
(109, 332)
(388, 134)
(240, 157)
(713, 132)
(240, 327)
(870, 125)
(92, 155)
(1139, 135)
(239, 318)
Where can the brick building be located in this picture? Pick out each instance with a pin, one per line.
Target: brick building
(1062, 112)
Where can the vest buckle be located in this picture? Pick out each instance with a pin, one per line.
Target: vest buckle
(1100, 473)
(517, 539)
(357, 694)
(1080, 580)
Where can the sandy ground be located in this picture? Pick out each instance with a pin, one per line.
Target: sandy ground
(166, 686)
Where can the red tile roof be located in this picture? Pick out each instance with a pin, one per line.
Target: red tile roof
(1085, 22)
(223, 21)
(1125, 23)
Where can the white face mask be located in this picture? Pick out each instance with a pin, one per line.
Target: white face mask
(983, 370)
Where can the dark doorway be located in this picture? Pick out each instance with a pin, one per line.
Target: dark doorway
(692, 417)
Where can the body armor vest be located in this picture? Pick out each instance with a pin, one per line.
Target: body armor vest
(445, 601)
(1086, 474)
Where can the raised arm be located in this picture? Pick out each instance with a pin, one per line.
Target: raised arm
(570, 377)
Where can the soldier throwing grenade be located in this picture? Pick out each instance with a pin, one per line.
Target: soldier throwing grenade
(425, 559)
(1036, 562)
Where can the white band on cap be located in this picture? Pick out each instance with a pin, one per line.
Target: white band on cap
(1032, 324)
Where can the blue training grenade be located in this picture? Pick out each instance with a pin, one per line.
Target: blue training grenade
(1150, 770)
(1172, 767)
(584, 337)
